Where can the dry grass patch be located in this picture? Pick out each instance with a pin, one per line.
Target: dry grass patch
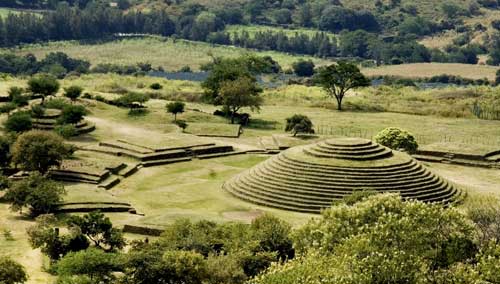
(425, 70)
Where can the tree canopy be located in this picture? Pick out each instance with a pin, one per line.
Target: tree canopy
(242, 92)
(44, 85)
(337, 79)
(37, 150)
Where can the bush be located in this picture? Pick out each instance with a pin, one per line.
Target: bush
(72, 114)
(7, 108)
(37, 111)
(66, 130)
(19, 122)
(16, 96)
(11, 272)
(181, 124)
(87, 96)
(73, 92)
(131, 100)
(397, 139)
(58, 103)
(299, 124)
(303, 68)
(156, 86)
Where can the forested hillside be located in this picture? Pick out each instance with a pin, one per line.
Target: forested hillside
(379, 32)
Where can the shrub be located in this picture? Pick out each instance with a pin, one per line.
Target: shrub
(397, 139)
(131, 100)
(185, 69)
(87, 96)
(73, 92)
(303, 68)
(11, 272)
(100, 98)
(7, 108)
(72, 114)
(37, 111)
(66, 130)
(58, 103)
(19, 122)
(181, 124)
(299, 123)
(16, 96)
(156, 86)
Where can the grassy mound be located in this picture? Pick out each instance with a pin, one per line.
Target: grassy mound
(308, 178)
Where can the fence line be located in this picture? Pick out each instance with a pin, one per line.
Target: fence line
(421, 139)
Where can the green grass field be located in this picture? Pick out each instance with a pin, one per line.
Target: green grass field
(170, 54)
(252, 30)
(193, 189)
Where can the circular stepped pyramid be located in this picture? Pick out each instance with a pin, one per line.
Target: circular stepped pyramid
(308, 178)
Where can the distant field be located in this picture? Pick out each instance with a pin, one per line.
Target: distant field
(5, 11)
(420, 70)
(251, 30)
(170, 54)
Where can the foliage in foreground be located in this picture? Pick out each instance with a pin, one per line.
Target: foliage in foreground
(39, 151)
(37, 193)
(383, 239)
(299, 123)
(397, 139)
(11, 272)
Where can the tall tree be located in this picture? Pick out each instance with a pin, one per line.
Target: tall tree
(39, 151)
(243, 92)
(44, 85)
(339, 78)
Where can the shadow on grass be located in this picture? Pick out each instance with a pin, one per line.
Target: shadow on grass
(257, 123)
(305, 136)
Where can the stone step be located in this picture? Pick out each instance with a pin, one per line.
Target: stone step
(109, 183)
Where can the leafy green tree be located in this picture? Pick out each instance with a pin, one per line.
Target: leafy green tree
(39, 151)
(19, 121)
(338, 79)
(72, 114)
(222, 70)
(39, 194)
(92, 262)
(175, 108)
(11, 272)
(99, 230)
(44, 85)
(73, 92)
(45, 235)
(132, 100)
(242, 92)
(381, 239)
(4, 151)
(153, 266)
(299, 123)
(303, 68)
(273, 235)
(397, 139)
